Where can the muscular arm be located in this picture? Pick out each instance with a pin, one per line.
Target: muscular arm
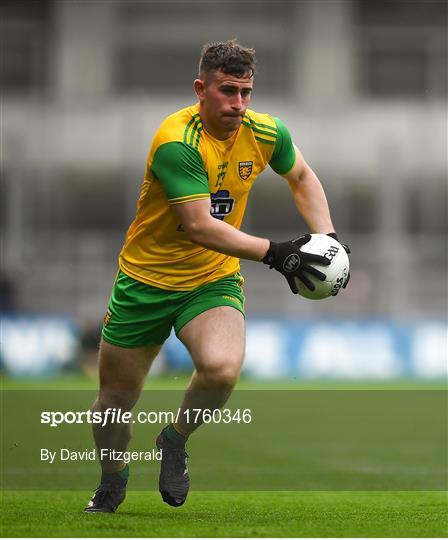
(207, 231)
(309, 196)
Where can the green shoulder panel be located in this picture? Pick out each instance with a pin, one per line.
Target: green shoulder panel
(178, 166)
(284, 155)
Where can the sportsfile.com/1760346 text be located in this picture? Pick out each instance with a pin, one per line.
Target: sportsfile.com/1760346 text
(114, 415)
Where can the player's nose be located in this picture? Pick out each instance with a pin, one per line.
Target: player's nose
(237, 102)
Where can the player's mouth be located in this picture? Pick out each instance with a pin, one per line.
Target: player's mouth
(236, 116)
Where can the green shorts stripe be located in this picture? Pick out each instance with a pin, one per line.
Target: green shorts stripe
(140, 315)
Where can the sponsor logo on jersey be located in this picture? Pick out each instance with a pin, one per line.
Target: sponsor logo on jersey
(245, 169)
(221, 204)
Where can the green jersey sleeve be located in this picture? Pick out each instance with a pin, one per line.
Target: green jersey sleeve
(284, 155)
(179, 169)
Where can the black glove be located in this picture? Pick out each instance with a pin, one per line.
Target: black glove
(287, 259)
(347, 249)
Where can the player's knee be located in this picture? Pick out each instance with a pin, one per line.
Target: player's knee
(119, 399)
(221, 376)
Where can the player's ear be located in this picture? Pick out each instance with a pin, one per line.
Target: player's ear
(199, 87)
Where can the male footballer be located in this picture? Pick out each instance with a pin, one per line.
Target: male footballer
(179, 266)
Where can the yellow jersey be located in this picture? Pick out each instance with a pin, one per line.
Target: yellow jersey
(185, 163)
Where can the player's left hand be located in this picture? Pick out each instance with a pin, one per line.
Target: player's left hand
(348, 251)
(288, 259)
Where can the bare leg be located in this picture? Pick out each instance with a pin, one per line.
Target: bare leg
(122, 375)
(216, 342)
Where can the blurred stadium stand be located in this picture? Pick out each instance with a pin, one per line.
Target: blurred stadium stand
(361, 84)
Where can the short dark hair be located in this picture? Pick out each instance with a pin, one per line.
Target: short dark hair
(229, 57)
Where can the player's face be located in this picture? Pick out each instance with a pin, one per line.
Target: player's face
(223, 100)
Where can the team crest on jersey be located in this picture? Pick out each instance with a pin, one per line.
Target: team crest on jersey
(245, 169)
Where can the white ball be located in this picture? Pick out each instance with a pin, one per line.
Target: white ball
(336, 272)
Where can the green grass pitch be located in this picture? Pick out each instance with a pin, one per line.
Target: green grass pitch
(226, 513)
(231, 514)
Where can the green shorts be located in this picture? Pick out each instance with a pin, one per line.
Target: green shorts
(141, 315)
